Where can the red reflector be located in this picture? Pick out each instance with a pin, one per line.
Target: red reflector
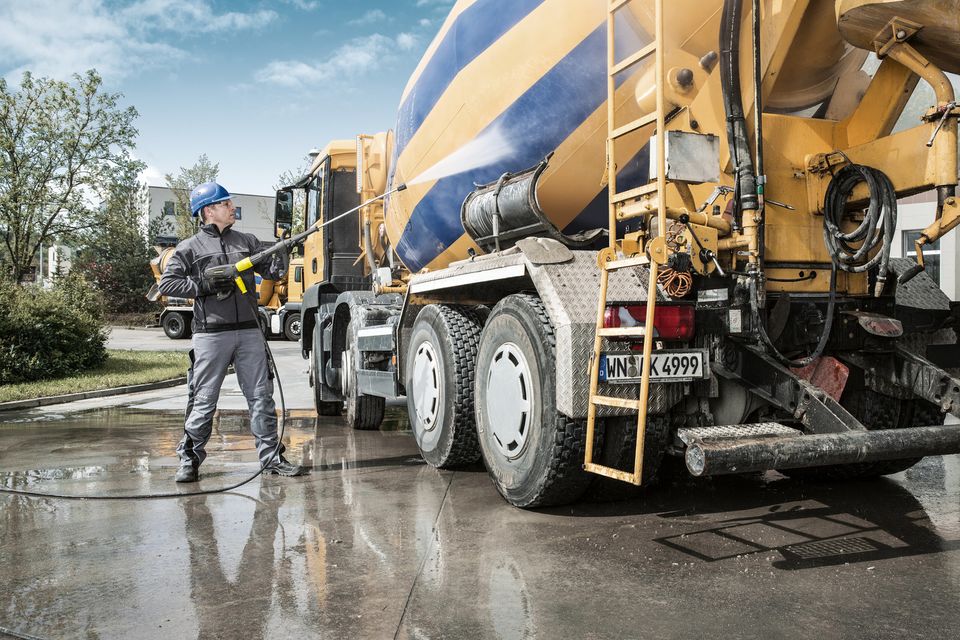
(671, 322)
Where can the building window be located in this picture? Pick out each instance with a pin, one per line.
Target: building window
(238, 212)
(169, 208)
(931, 253)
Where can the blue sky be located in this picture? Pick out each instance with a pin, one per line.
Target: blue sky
(254, 84)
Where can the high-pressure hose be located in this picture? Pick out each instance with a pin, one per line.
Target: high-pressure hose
(745, 180)
(877, 228)
(146, 496)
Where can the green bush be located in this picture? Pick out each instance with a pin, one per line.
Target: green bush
(52, 333)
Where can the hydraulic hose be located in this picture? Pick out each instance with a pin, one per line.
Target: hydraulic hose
(878, 226)
(824, 337)
(745, 178)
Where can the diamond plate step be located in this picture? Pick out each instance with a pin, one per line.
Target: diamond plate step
(735, 432)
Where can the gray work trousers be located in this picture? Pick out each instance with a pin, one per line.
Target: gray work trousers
(212, 354)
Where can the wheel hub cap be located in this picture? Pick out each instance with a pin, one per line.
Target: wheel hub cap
(508, 399)
(426, 386)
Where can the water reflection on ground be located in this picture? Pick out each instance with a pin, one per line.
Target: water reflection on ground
(374, 543)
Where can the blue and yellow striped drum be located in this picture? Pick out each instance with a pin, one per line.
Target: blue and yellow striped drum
(507, 82)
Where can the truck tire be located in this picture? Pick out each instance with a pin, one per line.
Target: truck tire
(176, 325)
(616, 447)
(440, 381)
(534, 454)
(264, 325)
(323, 407)
(364, 413)
(875, 411)
(291, 327)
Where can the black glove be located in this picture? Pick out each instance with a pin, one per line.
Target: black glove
(211, 283)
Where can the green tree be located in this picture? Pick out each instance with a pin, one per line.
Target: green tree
(116, 257)
(62, 146)
(182, 184)
(290, 177)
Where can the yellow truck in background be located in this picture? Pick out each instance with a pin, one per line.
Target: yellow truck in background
(279, 302)
(633, 229)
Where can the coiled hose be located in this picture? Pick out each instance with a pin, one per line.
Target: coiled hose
(877, 228)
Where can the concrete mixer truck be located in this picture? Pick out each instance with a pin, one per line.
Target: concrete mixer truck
(616, 231)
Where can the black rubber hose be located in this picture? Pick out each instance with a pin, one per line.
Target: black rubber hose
(149, 496)
(733, 104)
(877, 228)
(824, 337)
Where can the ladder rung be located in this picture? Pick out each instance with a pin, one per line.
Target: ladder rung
(623, 331)
(610, 472)
(630, 127)
(622, 403)
(634, 193)
(625, 263)
(617, 4)
(626, 63)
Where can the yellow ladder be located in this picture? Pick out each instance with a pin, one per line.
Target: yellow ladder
(611, 262)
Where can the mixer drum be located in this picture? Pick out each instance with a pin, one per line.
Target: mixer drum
(508, 82)
(861, 21)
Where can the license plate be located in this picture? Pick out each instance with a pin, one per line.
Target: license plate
(665, 366)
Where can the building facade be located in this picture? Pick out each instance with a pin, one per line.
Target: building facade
(942, 258)
(254, 215)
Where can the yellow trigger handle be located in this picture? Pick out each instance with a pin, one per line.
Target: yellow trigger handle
(242, 266)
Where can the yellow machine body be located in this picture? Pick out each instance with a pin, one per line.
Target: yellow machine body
(481, 114)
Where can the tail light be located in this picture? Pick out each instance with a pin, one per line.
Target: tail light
(670, 322)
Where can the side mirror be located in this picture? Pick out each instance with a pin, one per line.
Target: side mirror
(283, 214)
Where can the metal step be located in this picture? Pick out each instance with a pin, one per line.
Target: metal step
(622, 332)
(626, 263)
(735, 432)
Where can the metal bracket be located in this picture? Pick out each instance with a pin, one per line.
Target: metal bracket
(770, 381)
(904, 374)
(896, 31)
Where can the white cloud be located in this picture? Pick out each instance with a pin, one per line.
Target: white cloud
(306, 5)
(191, 16)
(430, 3)
(374, 15)
(407, 41)
(57, 38)
(153, 176)
(354, 58)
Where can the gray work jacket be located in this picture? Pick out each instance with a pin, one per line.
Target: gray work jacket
(209, 247)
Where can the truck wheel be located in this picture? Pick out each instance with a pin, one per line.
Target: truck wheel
(439, 382)
(176, 325)
(617, 448)
(291, 327)
(533, 453)
(264, 325)
(323, 407)
(363, 412)
(875, 411)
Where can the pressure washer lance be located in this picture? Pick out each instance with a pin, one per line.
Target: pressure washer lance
(235, 271)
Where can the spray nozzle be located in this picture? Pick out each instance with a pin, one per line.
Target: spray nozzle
(402, 187)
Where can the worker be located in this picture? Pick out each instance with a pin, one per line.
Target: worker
(225, 331)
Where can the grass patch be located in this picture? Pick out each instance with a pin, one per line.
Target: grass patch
(121, 368)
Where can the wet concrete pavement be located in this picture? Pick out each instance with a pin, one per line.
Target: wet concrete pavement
(375, 544)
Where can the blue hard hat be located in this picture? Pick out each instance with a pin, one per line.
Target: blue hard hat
(206, 194)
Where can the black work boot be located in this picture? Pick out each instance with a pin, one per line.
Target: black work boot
(282, 467)
(187, 472)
